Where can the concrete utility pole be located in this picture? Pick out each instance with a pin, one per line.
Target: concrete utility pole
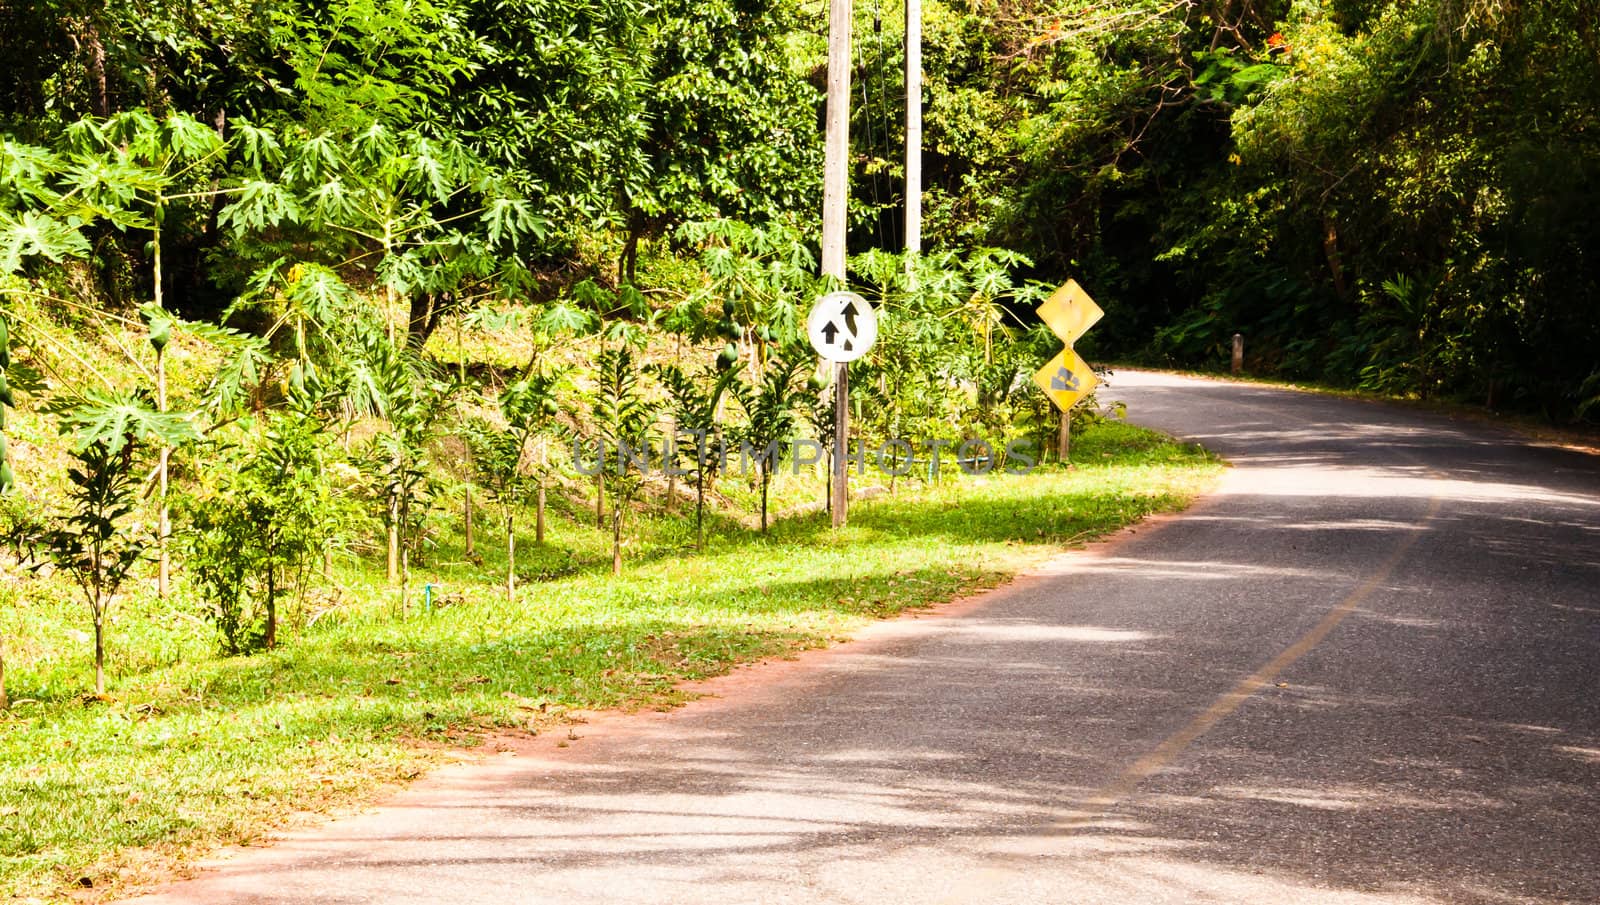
(835, 194)
(913, 128)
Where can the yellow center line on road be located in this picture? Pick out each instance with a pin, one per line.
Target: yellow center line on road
(1224, 706)
(1096, 806)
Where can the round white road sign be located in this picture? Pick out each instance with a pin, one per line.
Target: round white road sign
(842, 326)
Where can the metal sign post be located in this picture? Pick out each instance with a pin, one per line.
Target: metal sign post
(842, 327)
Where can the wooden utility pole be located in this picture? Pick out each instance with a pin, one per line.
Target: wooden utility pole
(913, 130)
(163, 466)
(835, 194)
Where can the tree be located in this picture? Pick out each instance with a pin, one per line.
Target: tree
(421, 217)
(253, 541)
(411, 395)
(554, 101)
(622, 419)
(92, 543)
(694, 402)
(502, 457)
(730, 126)
(770, 411)
(758, 276)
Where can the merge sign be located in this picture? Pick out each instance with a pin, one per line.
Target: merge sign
(1069, 312)
(1066, 379)
(842, 327)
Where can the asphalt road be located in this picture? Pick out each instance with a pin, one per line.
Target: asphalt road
(1364, 671)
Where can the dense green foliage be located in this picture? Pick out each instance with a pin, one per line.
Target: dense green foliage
(1386, 193)
(1395, 194)
(286, 200)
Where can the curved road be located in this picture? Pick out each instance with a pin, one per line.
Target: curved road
(1364, 671)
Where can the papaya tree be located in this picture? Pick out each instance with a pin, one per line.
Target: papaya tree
(622, 419)
(769, 409)
(759, 276)
(502, 458)
(411, 395)
(93, 542)
(693, 402)
(622, 316)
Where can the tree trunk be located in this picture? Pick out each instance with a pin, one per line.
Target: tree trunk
(700, 508)
(398, 466)
(164, 517)
(628, 264)
(421, 317)
(272, 609)
(716, 430)
(405, 582)
(600, 501)
(99, 97)
(511, 555)
(99, 656)
(766, 481)
(538, 515)
(1330, 247)
(388, 290)
(669, 458)
(394, 538)
(616, 540)
(467, 514)
(538, 510)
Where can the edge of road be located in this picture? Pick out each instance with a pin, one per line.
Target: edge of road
(762, 676)
(1527, 428)
(508, 750)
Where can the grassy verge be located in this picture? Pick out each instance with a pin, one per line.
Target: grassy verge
(195, 750)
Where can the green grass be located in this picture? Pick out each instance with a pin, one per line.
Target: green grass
(195, 750)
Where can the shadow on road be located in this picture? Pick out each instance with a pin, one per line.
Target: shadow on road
(1441, 743)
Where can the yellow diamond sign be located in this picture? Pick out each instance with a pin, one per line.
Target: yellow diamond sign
(1066, 379)
(1069, 312)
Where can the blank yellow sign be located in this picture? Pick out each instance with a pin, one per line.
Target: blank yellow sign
(1066, 379)
(1069, 312)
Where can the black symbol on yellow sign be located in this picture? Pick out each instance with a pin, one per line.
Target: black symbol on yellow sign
(1064, 379)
